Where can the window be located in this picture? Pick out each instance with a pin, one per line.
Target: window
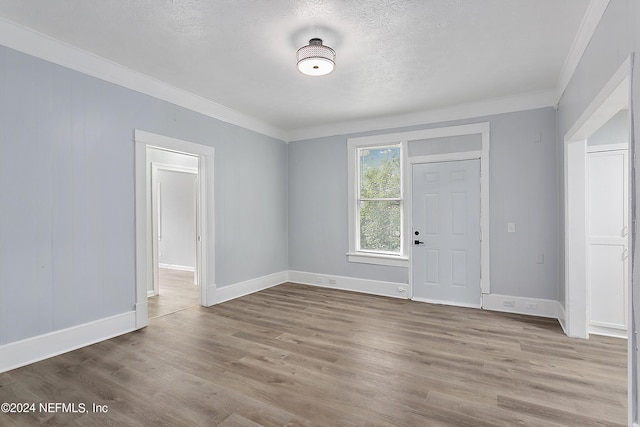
(376, 203)
(379, 200)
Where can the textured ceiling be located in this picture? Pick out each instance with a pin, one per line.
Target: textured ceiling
(393, 57)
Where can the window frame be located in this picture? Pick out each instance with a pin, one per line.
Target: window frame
(355, 254)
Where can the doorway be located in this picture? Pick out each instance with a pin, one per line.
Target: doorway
(453, 145)
(205, 239)
(174, 201)
(580, 245)
(446, 232)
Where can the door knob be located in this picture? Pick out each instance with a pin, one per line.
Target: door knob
(418, 242)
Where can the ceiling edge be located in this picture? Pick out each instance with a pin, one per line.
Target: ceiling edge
(488, 107)
(588, 26)
(36, 44)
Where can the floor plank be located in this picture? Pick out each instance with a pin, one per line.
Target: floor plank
(177, 292)
(297, 355)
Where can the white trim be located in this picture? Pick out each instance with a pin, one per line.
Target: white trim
(378, 259)
(484, 108)
(452, 303)
(30, 350)
(353, 190)
(607, 331)
(247, 287)
(177, 267)
(606, 147)
(588, 26)
(606, 104)
(205, 217)
(366, 286)
(403, 138)
(143, 249)
(613, 97)
(175, 168)
(42, 46)
(164, 142)
(575, 240)
(142, 313)
(445, 157)
(543, 307)
(483, 128)
(562, 318)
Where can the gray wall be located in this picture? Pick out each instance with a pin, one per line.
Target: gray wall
(177, 218)
(523, 190)
(616, 37)
(67, 233)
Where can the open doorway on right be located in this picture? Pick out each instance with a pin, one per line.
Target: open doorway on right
(607, 227)
(597, 229)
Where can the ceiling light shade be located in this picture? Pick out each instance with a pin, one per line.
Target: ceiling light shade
(315, 59)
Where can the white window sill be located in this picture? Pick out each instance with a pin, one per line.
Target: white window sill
(379, 259)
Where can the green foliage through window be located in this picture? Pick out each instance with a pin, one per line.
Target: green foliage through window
(380, 199)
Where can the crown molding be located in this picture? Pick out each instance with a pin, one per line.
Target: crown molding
(520, 102)
(39, 45)
(588, 26)
(36, 44)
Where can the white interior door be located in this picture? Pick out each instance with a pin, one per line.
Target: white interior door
(446, 232)
(607, 242)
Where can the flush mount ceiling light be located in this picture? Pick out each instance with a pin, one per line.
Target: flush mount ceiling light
(315, 59)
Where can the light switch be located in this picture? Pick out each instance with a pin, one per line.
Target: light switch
(511, 227)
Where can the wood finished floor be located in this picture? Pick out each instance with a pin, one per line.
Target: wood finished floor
(177, 292)
(296, 355)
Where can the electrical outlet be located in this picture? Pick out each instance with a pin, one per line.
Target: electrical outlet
(511, 227)
(318, 280)
(332, 281)
(531, 305)
(509, 303)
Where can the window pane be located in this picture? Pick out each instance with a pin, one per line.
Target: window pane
(380, 226)
(379, 172)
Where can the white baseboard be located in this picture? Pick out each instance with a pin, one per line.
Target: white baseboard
(208, 299)
(607, 332)
(456, 304)
(177, 267)
(30, 350)
(142, 314)
(562, 318)
(226, 293)
(367, 286)
(531, 306)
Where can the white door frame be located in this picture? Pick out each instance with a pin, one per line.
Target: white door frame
(156, 221)
(483, 154)
(143, 226)
(614, 97)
